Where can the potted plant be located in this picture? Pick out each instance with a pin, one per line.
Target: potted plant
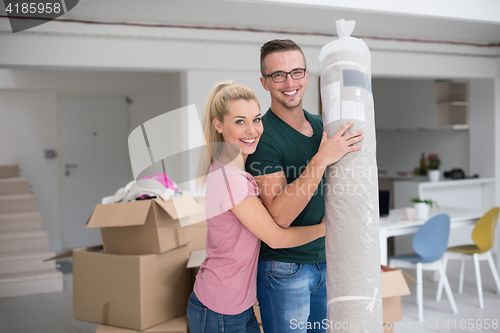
(422, 206)
(433, 163)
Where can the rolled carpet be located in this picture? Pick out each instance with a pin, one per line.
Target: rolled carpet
(351, 189)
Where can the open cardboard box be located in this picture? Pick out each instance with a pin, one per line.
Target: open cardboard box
(177, 325)
(393, 287)
(129, 291)
(149, 226)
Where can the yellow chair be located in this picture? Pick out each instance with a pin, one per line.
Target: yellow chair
(483, 236)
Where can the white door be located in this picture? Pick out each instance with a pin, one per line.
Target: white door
(95, 160)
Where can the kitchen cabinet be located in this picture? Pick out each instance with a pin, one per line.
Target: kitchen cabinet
(451, 104)
(417, 104)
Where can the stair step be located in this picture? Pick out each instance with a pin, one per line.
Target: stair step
(17, 217)
(24, 241)
(14, 186)
(9, 170)
(23, 262)
(17, 203)
(19, 222)
(30, 283)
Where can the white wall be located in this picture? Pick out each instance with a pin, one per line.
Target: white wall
(497, 138)
(28, 125)
(496, 121)
(29, 121)
(482, 127)
(403, 103)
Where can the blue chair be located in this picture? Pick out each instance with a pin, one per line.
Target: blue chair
(429, 243)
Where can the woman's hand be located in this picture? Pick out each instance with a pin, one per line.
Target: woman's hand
(322, 223)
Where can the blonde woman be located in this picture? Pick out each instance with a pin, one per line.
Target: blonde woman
(225, 287)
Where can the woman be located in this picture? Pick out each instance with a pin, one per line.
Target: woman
(225, 287)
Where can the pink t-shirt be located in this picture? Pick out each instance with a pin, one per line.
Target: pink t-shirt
(226, 282)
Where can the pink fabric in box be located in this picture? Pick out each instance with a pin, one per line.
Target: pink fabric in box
(164, 180)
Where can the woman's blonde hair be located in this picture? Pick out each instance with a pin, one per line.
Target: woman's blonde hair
(216, 107)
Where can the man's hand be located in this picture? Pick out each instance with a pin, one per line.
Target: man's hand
(333, 149)
(285, 202)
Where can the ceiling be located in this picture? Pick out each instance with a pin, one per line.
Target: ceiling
(315, 17)
(294, 17)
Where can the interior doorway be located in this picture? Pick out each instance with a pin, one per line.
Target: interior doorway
(95, 160)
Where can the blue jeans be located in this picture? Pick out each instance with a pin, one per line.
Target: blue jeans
(203, 320)
(291, 296)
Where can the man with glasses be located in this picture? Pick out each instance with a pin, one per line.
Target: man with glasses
(288, 166)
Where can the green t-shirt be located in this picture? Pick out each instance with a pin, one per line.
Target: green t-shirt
(282, 148)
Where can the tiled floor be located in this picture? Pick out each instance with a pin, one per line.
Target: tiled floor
(52, 313)
(46, 313)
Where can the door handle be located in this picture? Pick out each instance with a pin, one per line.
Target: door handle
(70, 166)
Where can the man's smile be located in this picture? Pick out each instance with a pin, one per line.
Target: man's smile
(291, 92)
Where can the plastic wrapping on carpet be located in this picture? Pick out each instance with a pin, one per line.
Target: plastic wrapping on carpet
(351, 189)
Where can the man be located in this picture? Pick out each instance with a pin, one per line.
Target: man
(288, 166)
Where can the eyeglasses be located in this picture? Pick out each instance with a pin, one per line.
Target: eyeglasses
(279, 77)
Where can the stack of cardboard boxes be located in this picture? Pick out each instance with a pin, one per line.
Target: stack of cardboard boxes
(140, 281)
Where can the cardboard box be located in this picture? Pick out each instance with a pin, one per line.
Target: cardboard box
(129, 291)
(195, 236)
(393, 287)
(256, 309)
(177, 325)
(195, 260)
(147, 226)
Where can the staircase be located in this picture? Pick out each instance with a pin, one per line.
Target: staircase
(23, 243)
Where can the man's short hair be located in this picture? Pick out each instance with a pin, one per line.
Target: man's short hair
(277, 45)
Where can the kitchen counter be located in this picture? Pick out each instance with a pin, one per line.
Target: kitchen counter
(395, 176)
(473, 193)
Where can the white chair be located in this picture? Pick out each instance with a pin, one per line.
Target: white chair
(429, 243)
